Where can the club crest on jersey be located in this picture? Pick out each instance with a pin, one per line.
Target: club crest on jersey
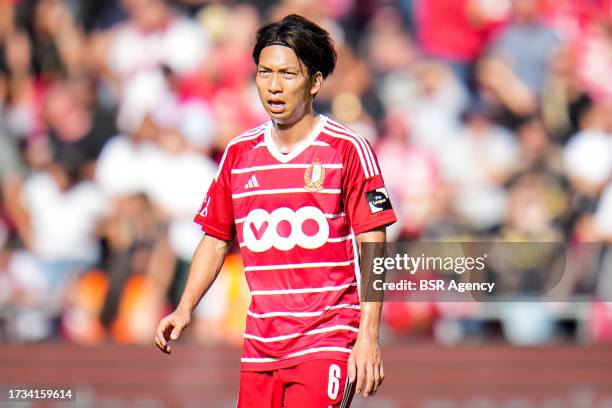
(314, 176)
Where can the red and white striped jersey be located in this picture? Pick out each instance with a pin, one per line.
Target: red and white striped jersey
(295, 217)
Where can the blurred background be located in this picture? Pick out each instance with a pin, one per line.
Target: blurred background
(492, 120)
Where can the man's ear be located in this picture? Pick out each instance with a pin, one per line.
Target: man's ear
(316, 82)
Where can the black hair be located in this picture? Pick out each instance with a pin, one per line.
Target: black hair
(312, 44)
(71, 160)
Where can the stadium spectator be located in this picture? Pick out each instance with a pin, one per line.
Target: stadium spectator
(527, 44)
(603, 215)
(413, 179)
(154, 36)
(457, 31)
(477, 163)
(63, 213)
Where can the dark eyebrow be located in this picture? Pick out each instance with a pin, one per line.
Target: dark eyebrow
(282, 69)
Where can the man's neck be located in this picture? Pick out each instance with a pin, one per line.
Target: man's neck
(287, 137)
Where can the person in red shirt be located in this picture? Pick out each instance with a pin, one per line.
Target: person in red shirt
(298, 193)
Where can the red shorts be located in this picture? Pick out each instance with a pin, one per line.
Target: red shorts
(312, 384)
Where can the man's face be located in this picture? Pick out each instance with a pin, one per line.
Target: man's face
(148, 15)
(526, 10)
(285, 88)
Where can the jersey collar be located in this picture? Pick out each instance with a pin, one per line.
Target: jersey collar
(299, 148)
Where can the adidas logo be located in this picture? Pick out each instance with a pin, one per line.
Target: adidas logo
(253, 183)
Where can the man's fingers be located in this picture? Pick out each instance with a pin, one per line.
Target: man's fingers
(352, 369)
(369, 380)
(160, 332)
(170, 328)
(377, 379)
(360, 377)
(165, 348)
(162, 335)
(176, 332)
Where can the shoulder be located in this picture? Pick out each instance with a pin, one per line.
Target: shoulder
(351, 145)
(116, 145)
(246, 140)
(341, 136)
(38, 187)
(91, 197)
(39, 180)
(242, 143)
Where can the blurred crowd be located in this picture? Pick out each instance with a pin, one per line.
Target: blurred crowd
(492, 120)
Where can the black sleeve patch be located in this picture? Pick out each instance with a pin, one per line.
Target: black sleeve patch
(378, 200)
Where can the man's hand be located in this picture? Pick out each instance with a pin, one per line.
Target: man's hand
(365, 366)
(170, 328)
(205, 267)
(365, 363)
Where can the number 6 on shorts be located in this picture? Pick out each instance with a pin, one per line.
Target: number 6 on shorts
(333, 384)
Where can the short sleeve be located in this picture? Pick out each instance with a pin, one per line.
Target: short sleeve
(216, 214)
(366, 200)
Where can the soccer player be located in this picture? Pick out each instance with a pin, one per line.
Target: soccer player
(298, 193)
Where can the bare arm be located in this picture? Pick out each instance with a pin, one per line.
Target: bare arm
(365, 362)
(205, 267)
(496, 76)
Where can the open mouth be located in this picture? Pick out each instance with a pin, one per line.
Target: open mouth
(276, 105)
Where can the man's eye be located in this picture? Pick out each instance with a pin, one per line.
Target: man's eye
(289, 74)
(263, 72)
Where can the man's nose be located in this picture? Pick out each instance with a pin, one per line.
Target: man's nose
(275, 85)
